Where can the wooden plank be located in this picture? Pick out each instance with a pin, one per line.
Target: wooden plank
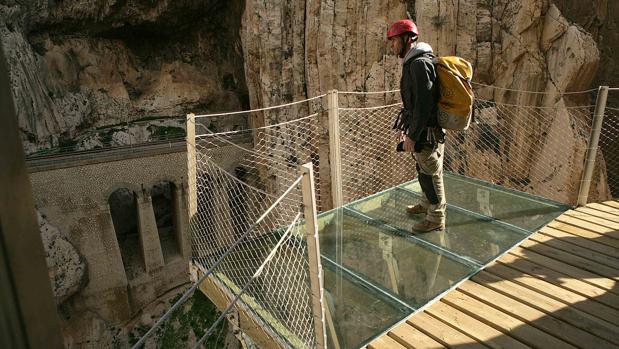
(558, 293)
(604, 208)
(503, 321)
(534, 317)
(256, 331)
(550, 306)
(613, 217)
(481, 332)
(609, 232)
(566, 282)
(578, 231)
(582, 263)
(442, 332)
(576, 250)
(411, 338)
(613, 204)
(385, 342)
(563, 268)
(593, 219)
(586, 243)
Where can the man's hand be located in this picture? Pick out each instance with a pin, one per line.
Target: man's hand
(409, 144)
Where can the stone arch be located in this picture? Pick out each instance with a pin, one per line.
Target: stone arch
(124, 210)
(119, 185)
(167, 209)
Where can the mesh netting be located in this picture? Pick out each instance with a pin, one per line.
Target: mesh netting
(370, 163)
(239, 175)
(226, 209)
(609, 148)
(539, 150)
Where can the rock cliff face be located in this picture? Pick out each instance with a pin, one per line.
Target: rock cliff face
(67, 269)
(77, 65)
(299, 49)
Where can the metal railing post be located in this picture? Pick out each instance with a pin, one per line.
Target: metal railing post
(335, 160)
(335, 164)
(313, 251)
(594, 138)
(192, 205)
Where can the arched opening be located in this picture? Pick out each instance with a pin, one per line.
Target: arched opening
(123, 207)
(166, 207)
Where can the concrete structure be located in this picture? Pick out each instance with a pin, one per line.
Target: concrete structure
(74, 195)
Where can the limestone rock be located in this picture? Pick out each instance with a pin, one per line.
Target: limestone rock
(66, 268)
(573, 60)
(75, 65)
(554, 26)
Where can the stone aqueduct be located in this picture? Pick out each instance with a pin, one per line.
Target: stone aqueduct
(126, 215)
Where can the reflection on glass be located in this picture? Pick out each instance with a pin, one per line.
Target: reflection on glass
(397, 265)
(354, 311)
(520, 209)
(473, 238)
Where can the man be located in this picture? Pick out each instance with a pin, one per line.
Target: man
(418, 125)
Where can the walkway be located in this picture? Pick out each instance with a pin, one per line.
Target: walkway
(558, 289)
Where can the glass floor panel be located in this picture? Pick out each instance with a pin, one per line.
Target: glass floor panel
(348, 297)
(368, 250)
(396, 265)
(473, 239)
(522, 210)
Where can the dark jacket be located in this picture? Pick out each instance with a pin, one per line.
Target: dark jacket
(420, 94)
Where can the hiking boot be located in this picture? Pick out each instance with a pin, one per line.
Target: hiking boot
(416, 209)
(427, 226)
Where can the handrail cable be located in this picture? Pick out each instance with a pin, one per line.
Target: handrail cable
(190, 291)
(261, 109)
(246, 286)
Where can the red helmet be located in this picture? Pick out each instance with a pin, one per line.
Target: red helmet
(402, 26)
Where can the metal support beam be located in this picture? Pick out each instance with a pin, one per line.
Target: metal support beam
(313, 251)
(594, 139)
(192, 181)
(335, 160)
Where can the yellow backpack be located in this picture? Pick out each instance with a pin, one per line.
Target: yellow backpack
(456, 92)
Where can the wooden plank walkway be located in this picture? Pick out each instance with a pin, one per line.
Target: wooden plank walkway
(558, 289)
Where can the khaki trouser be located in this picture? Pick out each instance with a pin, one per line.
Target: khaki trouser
(430, 170)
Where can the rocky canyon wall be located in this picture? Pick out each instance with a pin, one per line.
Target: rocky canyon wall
(300, 49)
(80, 65)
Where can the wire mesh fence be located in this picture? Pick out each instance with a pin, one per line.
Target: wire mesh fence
(608, 161)
(226, 209)
(369, 160)
(538, 150)
(238, 176)
(267, 157)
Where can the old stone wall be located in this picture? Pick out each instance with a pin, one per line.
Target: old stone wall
(96, 293)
